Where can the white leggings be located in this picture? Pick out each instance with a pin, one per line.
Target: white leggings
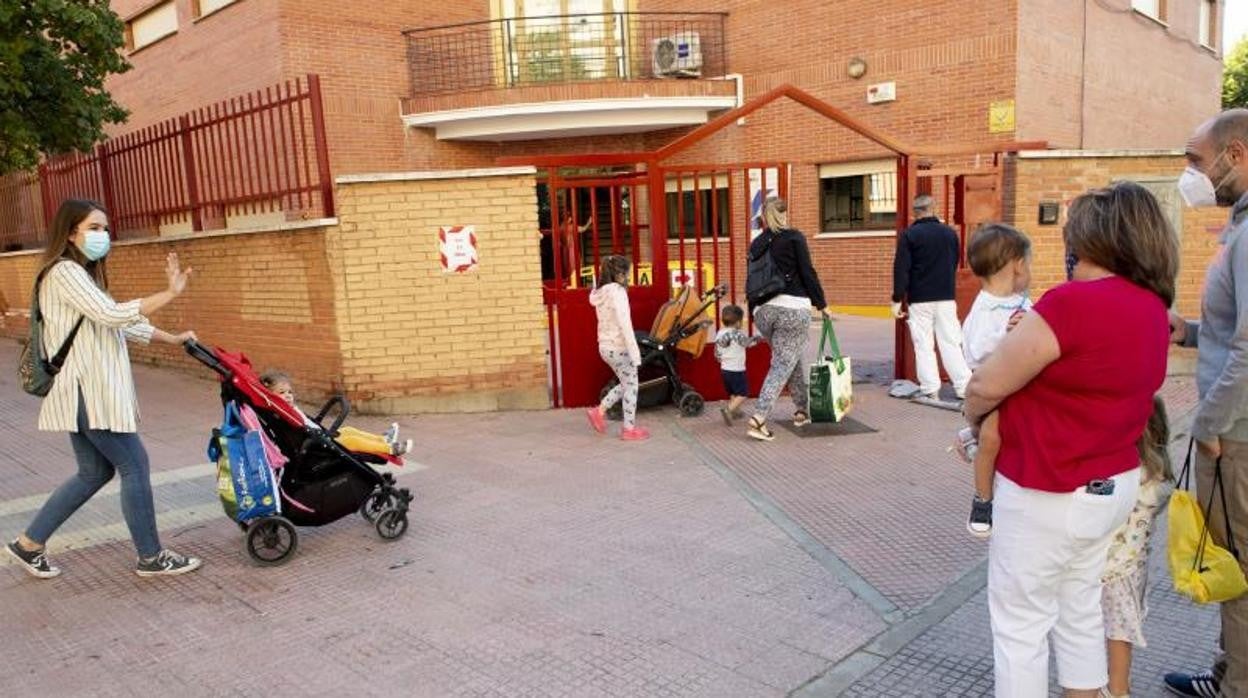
(626, 372)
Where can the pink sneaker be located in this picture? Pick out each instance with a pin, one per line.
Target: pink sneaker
(634, 434)
(597, 420)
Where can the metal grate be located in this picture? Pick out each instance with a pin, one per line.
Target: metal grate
(264, 152)
(566, 48)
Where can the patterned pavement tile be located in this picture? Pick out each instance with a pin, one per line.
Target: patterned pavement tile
(542, 561)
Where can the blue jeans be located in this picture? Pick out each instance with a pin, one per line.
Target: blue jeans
(100, 453)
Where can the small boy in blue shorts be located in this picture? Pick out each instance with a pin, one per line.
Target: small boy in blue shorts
(730, 345)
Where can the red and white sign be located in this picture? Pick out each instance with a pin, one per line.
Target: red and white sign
(458, 248)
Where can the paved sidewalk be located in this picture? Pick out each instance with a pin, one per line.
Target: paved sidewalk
(543, 560)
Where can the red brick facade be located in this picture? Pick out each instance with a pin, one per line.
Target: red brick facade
(950, 60)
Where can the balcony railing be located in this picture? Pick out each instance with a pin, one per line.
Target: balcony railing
(558, 49)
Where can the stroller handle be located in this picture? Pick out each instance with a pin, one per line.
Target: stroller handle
(344, 409)
(205, 356)
(715, 292)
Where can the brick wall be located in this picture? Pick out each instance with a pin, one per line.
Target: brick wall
(1090, 91)
(415, 338)
(1062, 179)
(265, 294)
(361, 307)
(950, 59)
(230, 52)
(17, 273)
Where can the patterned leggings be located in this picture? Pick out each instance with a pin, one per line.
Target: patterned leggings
(622, 364)
(787, 330)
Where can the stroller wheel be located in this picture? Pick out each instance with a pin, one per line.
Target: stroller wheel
(616, 413)
(376, 503)
(392, 524)
(271, 540)
(691, 404)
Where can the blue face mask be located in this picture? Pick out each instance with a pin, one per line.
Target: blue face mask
(1071, 260)
(96, 244)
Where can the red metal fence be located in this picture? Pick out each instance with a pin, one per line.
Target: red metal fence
(21, 211)
(263, 152)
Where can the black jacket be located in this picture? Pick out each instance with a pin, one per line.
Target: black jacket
(791, 256)
(926, 262)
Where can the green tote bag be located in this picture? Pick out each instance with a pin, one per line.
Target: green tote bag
(831, 380)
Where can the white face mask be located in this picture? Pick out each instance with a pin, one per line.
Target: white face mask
(1196, 188)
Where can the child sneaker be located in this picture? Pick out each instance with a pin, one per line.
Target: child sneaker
(35, 562)
(727, 414)
(398, 449)
(167, 564)
(596, 419)
(634, 434)
(392, 434)
(980, 521)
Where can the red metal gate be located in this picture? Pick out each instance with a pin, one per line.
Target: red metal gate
(693, 230)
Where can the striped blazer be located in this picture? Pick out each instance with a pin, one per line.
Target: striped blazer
(98, 365)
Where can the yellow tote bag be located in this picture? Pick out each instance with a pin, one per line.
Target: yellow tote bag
(1202, 571)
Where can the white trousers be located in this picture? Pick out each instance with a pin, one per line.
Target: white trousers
(1045, 562)
(939, 318)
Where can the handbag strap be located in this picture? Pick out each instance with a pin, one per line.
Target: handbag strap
(1184, 480)
(771, 237)
(1205, 539)
(58, 359)
(829, 337)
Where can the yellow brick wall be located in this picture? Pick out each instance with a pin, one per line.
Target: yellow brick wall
(415, 338)
(265, 294)
(1062, 179)
(362, 307)
(17, 273)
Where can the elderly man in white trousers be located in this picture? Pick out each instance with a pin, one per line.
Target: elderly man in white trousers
(924, 271)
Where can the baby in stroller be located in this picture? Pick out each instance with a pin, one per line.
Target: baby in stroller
(350, 438)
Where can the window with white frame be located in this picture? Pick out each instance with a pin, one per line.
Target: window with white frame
(1208, 22)
(1153, 8)
(203, 8)
(698, 207)
(858, 196)
(153, 25)
(564, 40)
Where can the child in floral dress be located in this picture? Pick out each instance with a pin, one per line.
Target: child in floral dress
(1126, 573)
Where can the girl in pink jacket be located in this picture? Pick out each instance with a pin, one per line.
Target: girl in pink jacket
(617, 345)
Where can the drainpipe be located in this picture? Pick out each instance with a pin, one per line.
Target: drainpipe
(740, 81)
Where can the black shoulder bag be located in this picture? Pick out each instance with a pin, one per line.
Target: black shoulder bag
(35, 370)
(763, 279)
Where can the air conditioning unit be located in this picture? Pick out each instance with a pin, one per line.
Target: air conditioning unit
(678, 55)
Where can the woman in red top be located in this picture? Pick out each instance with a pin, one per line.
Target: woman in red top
(1074, 384)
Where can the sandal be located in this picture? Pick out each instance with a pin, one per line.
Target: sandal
(758, 430)
(800, 419)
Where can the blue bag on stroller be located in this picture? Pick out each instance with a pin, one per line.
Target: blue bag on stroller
(245, 482)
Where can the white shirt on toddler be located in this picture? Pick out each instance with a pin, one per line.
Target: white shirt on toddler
(987, 323)
(730, 346)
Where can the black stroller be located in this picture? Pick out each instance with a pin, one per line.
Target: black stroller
(679, 326)
(322, 482)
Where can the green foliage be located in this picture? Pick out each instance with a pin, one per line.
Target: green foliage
(1235, 78)
(54, 58)
(547, 59)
